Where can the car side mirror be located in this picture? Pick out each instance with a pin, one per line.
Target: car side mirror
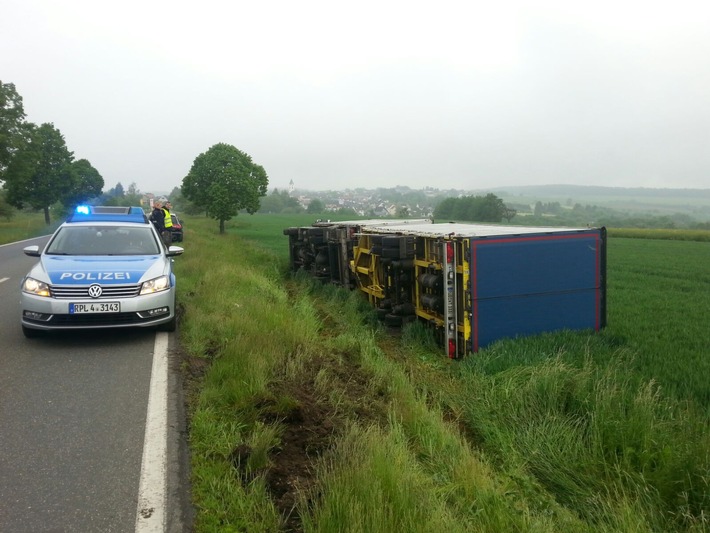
(175, 250)
(32, 251)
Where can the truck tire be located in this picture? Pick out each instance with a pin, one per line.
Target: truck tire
(393, 320)
(381, 313)
(391, 242)
(391, 253)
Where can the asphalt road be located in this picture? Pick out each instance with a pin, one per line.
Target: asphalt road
(72, 423)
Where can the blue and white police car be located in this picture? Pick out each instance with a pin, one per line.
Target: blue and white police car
(104, 267)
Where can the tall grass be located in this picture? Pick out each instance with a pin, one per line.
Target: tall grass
(414, 471)
(24, 225)
(560, 432)
(592, 433)
(236, 313)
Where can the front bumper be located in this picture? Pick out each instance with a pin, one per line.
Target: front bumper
(140, 311)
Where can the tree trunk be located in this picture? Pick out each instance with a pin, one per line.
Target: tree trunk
(221, 226)
(46, 215)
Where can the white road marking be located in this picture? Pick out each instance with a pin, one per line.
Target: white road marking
(152, 489)
(3, 279)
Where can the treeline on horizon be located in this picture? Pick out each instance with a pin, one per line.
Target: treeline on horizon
(483, 208)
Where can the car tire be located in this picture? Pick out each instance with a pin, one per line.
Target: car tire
(169, 326)
(30, 333)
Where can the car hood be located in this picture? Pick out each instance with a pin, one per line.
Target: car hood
(106, 270)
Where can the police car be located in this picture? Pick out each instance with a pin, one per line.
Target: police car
(104, 267)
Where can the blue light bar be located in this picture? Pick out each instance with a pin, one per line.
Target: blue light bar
(107, 213)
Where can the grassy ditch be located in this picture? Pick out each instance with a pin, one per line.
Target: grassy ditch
(305, 415)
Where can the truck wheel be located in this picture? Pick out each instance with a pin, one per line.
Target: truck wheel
(391, 242)
(393, 320)
(391, 253)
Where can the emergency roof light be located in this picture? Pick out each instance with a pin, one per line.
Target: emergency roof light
(107, 213)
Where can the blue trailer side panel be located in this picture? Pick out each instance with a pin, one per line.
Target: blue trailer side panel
(529, 284)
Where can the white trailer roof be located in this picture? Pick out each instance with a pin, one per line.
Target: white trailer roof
(380, 222)
(455, 229)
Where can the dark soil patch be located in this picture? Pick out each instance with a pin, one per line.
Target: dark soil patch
(193, 371)
(310, 424)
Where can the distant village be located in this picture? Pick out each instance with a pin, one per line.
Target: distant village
(382, 202)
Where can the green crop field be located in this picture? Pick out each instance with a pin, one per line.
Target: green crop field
(659, 295)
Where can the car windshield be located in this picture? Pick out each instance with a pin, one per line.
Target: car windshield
(103, 240)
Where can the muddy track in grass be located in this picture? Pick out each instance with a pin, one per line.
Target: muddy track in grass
(310, 424)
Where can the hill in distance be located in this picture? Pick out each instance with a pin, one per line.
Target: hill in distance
(635, 199)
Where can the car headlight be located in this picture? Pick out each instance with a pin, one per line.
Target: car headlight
(33, 286)
(155, 285)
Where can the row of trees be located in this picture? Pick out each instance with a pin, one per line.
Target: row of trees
(37, 170)
(280, 202)
(36, 167)
(488, 208)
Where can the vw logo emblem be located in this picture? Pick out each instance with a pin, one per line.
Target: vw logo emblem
(95, 291)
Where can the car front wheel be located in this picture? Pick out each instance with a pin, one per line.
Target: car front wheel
(169, 326)
(30, 333)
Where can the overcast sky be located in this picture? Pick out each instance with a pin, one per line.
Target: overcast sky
(333, 95)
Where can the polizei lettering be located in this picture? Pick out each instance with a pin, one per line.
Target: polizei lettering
(96, 276)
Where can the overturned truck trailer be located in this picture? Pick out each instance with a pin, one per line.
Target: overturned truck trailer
(473, 283)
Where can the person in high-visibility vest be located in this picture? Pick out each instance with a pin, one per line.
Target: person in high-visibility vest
(168, 231)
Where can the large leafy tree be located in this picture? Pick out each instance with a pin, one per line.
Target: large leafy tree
(86, 182)
(225, 180)
(41, 172)
(13, 130)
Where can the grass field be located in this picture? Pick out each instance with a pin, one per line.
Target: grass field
(306, 416)
(24, 226)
